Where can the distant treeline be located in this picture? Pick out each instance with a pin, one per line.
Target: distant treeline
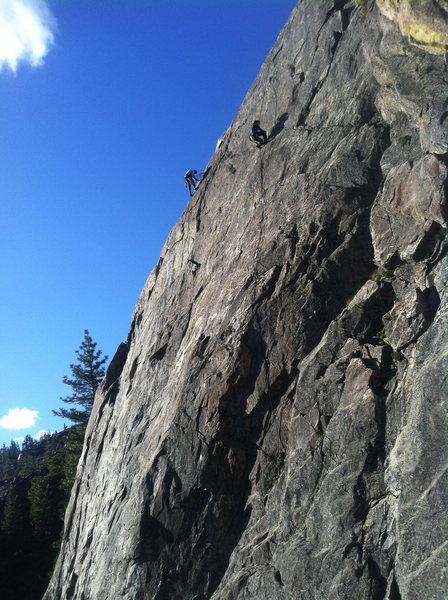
(35, 484)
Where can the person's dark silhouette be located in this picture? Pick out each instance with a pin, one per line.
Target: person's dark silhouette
(191, 181)
(258, 135)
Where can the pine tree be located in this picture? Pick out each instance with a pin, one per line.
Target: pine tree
(32, 506)
(8, 460)
(13, 520)
(86, 377)
(29, 462)
(73, 449)
(41, 513)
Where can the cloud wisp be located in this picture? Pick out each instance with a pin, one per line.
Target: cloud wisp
(40, 434)
(19, 418)
(26, 33)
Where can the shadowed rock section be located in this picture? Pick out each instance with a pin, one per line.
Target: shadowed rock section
(275, 426)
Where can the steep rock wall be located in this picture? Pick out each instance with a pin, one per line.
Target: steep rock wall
(275, 425)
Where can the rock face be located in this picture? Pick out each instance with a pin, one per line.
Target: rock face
(275, 426)
(424, 21)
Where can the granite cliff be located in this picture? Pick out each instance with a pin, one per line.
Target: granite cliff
(275, 425)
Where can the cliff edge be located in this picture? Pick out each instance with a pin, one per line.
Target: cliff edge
(275, 426)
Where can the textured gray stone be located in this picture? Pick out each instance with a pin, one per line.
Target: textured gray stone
(411, 209)
(275, 426)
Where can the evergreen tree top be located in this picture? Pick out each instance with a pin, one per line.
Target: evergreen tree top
(86, 376)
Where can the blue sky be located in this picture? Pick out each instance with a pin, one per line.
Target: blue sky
(100, 117)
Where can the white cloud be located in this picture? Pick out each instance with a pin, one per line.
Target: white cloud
(19, 418)
(40, 434)
(26, 32)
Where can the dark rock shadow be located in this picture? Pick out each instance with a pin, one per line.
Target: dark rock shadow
(279, 126)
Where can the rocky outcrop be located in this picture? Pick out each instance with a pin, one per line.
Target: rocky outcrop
(424, 21)
(275, 425)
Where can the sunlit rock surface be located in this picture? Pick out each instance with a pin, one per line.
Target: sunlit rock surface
(275, 426)
(424, 21)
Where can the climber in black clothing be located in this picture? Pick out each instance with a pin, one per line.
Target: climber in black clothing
(191, 181)
(258, 135)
